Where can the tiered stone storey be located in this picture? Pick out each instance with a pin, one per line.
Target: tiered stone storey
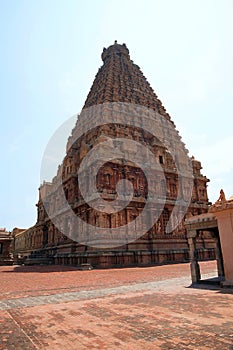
(118, 80)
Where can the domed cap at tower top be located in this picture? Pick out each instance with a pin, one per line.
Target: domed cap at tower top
(115, 49)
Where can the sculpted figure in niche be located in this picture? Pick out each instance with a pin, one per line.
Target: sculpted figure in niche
(222, 197)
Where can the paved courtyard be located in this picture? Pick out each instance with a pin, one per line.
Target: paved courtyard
(55, 307)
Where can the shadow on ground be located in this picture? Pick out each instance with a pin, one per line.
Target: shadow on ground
(214, 284)
(42, 268)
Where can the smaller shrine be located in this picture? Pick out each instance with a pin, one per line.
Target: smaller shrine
(217, 223)
(6, 247)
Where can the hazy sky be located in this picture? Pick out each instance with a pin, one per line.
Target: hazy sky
(50, 54)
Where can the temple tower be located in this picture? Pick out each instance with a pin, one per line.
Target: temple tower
(121, 84)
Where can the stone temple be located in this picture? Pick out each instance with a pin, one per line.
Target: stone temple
(121, 91)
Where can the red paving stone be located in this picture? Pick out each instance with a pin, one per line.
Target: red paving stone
(164, 313)
(19, 281)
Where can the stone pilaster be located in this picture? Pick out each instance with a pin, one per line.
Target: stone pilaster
(194, 266)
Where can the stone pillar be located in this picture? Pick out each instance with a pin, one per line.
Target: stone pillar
(194, 266)
(219, 260)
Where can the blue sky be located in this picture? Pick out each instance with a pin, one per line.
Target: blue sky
(50, 53)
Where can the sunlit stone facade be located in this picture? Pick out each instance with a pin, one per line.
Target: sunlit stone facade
(119, 80)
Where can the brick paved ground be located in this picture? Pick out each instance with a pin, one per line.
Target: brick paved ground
(58, 307)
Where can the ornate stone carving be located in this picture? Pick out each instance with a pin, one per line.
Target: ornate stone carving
(120, 80)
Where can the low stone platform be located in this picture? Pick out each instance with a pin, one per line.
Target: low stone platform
(56, 307)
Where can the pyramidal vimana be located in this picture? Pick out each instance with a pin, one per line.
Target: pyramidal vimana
(119, 80)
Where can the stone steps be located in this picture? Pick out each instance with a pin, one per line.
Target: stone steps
(38, 258)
